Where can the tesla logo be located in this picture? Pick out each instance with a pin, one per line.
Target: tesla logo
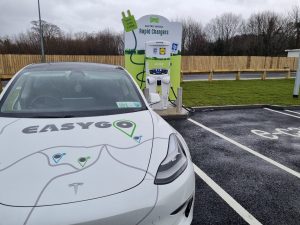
(75, 186)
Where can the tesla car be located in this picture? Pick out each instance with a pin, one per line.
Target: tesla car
(80, 145)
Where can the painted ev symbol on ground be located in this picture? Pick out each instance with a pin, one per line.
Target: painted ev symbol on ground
(290, 131)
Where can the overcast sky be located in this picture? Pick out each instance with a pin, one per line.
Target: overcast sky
(93, 15)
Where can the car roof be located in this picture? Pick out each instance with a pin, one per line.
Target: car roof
(72, 66)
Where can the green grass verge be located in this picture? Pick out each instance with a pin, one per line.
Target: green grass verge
(216, 93)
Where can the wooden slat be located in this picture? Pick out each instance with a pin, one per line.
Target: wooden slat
(10, 64)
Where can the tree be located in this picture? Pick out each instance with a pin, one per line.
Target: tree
(193, 38)
(269, 31)
(50, 31)
(222, 29)
(266, 33)
(294, 17)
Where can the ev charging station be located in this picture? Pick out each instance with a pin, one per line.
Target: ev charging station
(153, 57)
(158, 64)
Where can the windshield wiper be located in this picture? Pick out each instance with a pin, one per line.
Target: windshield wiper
(54, 116)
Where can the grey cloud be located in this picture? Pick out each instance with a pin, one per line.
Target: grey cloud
(93, 15)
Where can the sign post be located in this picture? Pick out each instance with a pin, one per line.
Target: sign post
(297, 81)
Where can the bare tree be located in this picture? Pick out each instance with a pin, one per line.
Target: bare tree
(50, 30)
(265, 33)
(269, 31)
(221, 31)
(193, 38)
(224, 27)
(294, 17)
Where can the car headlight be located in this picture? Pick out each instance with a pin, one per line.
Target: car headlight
(174, 163)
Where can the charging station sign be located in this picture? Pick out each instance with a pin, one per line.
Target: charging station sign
(152, 28)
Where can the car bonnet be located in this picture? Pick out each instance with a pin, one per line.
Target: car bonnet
(64, 160)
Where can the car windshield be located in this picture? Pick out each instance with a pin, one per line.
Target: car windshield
(70, 93)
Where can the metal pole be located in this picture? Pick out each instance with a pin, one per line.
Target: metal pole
(297, 80)
(179, 100)
(41, 35)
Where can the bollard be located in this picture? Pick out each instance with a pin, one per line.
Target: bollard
(179, 100)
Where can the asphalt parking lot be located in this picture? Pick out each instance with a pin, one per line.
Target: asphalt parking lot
(247, 165)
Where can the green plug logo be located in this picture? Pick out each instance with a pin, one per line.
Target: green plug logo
(129, 22)
(154, 20)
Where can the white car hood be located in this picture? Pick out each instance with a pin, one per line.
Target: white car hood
(55, 161)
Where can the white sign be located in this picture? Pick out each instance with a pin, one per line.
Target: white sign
(154, 28)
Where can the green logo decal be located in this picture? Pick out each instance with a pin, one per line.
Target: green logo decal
(126, 126)
(129, 22)
(154, 20)
(83, 160)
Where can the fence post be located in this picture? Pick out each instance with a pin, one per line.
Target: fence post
(1, 71)
(181, 76)
(238, 75)
(210, 75)
(264, 74)
(1, 83)
(288, 74)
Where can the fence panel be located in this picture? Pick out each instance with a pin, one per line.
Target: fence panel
(10, 64)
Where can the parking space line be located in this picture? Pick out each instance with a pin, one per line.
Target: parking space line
(272, 110)
(292, 111)
(226, 197)
(292, 172)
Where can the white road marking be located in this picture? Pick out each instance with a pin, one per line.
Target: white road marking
(292, 172)
(292, 111)
(265, 134)
(290, 131)
(272, 110)
(226, 197)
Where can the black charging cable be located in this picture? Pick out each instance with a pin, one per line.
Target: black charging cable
(137, 76)
(189, 109)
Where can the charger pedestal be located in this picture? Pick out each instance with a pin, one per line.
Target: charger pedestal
(172, 111)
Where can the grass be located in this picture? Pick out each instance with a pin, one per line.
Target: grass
(216, 93)
(243, 92)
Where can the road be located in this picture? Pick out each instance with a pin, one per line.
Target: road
(251, 160)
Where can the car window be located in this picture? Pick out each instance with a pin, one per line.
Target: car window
(71, 93)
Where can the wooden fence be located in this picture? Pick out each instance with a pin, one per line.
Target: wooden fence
(10, 64)
(196, 64)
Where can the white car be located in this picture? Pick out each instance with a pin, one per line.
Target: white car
(80, 145)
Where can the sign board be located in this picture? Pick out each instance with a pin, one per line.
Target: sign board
(153, 28)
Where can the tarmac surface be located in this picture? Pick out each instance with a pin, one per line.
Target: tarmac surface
(231, 76)
(253, 155)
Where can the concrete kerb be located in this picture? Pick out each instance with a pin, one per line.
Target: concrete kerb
(229, 107)
(255, 106)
